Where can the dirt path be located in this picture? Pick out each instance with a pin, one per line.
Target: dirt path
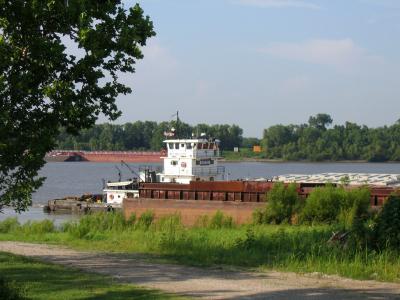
(208, 283)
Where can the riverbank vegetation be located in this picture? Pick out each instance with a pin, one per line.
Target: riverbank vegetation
(22, 278)
(316, 140)
(285, 236)
(144, 136)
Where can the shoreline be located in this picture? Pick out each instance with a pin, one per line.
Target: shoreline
(280, 161)
(240, 160)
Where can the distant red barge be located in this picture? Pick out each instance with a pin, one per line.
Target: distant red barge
(104, 156)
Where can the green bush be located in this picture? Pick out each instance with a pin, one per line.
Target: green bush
(387, 228)
(9, 225)
(282, 203)
(329, 204)
(323, 205)
(354, 207)
(11, 291)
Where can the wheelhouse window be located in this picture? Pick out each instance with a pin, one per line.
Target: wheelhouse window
(177, 146)
(188, 146)
(170, 145)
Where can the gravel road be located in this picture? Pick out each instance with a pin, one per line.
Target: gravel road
(208, 283)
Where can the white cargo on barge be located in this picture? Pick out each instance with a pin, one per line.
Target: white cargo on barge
(372, 179)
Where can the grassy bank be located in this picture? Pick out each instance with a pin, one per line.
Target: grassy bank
(34, 280)
(218, 241)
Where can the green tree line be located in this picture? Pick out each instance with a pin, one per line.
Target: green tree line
(318, 140)
(145, 135)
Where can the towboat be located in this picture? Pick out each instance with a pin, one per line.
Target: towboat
(115, 192)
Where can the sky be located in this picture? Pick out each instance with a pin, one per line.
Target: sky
(257, 63)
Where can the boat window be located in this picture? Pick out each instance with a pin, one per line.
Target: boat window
(176, 145)
(174, 162)
(200, 146)
(188, 146)
(182, 145)
(211, 162)
(170, 146)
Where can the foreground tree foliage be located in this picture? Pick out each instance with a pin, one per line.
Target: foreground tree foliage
(44, 88)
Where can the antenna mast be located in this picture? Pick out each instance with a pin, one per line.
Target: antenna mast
(177, 124)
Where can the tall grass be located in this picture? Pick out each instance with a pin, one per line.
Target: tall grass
(217, 240)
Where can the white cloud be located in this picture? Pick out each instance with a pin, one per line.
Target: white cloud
(279, 3)
(341, 54)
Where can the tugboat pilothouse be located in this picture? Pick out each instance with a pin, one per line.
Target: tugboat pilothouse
(193, 159)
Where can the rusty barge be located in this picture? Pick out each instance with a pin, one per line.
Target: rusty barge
(238, 199)
(192, 184)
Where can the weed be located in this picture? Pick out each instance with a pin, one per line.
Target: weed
(9, 225)
(145, 220)
(219, 220)
(38, 227)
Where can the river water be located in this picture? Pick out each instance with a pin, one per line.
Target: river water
(77, 178)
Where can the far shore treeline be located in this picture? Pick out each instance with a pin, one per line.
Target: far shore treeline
(316, 140)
